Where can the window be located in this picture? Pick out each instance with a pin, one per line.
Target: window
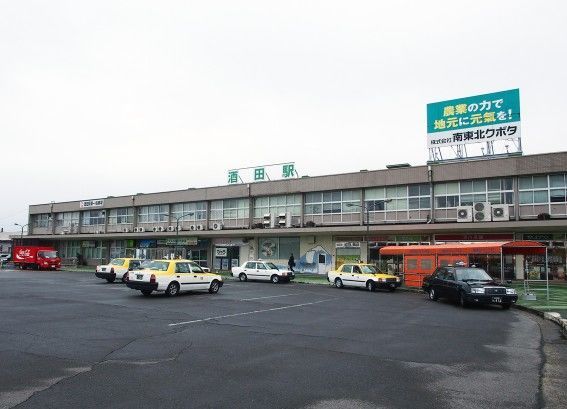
(153, 214)
(121, 216)
(196, 268)
(229, 209)
(534, 189)
(347, 268)
(182, 268)
(251, 265)
(42, 220)
(278, 248)
(193, 211)
(277, 204)
(337, 202)
(412, 197)
(446, 195)
(70, 219)
(467, 192)
(93, 217)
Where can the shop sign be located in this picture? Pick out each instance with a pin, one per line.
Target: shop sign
(221, 252)
(347, 244)
(91, 203)
(475, 237)
(146, 244)
(542, 237)
(189, 241)
(481, 118)
(259, 173)
(228, 242)
(88, 244)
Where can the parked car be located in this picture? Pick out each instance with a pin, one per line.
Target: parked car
(467, 285)
(172, 277)
(362, 275)
(262, 270)
(117, 268)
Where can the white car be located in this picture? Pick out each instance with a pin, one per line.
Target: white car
(262, 270)
(172, 277)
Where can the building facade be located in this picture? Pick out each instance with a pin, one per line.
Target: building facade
(325, 220)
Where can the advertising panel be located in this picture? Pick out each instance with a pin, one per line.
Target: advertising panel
(481, 118)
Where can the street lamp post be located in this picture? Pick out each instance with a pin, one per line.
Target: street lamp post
(367, 211)
(22, 233)
(177, 228)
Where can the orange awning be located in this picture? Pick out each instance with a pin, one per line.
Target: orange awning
(498, 247)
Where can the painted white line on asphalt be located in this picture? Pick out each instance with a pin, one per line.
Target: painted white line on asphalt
(270, 296)
(249, 312)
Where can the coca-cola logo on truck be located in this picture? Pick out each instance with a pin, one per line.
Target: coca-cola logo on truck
(23, 253)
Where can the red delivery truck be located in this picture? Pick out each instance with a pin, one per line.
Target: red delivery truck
(36, 257)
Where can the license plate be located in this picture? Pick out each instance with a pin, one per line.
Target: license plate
(103, 269)
(139, 276)
(496, 299)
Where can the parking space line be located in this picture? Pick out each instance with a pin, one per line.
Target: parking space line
(270, 296)
(249, 312)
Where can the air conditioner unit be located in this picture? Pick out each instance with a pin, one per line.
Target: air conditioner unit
(161, 228)
(482, 212)
(269, 220)
(141, 229)
(125, 230)
(99, 232)
(179, 228)
(464, 214)
(155, 229)
(200, 227)
(500, 213)
(192, 227)
(217, 226)
(170, 228)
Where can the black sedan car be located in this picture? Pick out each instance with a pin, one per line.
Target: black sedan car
(467, 286)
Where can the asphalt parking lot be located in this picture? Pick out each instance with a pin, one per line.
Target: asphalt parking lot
(70, 340)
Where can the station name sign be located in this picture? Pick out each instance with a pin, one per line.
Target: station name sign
(92, 203)
(477, 119)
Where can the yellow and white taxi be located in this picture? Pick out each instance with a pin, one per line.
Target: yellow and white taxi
(362, 275)
(172, 277)
(117, 268)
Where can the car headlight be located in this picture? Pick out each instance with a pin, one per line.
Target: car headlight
(510, 291)
(477, 290)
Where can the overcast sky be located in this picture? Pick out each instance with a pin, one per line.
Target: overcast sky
(102, 98)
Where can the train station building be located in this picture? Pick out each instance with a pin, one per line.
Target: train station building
(326, 220)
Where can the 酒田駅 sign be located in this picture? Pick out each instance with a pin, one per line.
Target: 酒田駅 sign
(482, 118)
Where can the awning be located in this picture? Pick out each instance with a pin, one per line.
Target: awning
(498, 247)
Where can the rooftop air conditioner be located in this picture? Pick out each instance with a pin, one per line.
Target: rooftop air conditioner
(200, 227)
(217, 226)
(500, 213)
(482, 212)
(464, 214)
(161, 228)
(179, 228)
(155, 229)
(192, 227)
(141, 229)
(170, 228)
(125, 230)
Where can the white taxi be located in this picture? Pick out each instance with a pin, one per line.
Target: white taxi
(172, 277)
(262, 270)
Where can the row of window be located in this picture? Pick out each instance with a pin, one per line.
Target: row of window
(547, 189)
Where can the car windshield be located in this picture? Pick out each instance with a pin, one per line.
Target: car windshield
(159, 265)
(368, 269)
(48, 254)
(116, 261)
(272, 266)
(472, 274)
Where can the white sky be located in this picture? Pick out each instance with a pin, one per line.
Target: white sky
(103, 98)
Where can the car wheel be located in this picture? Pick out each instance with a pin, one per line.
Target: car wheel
(392, 289)
(462, 302)
(275, 279)
(506, 306)
(433, 295)
(370, 286)
(110, 279)
(146, 293)
(214, 288)
(338, 283)
(124, 277)
(242, 277)
(172, 289)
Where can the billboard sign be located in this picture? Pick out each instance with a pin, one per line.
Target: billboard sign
(482, 118)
